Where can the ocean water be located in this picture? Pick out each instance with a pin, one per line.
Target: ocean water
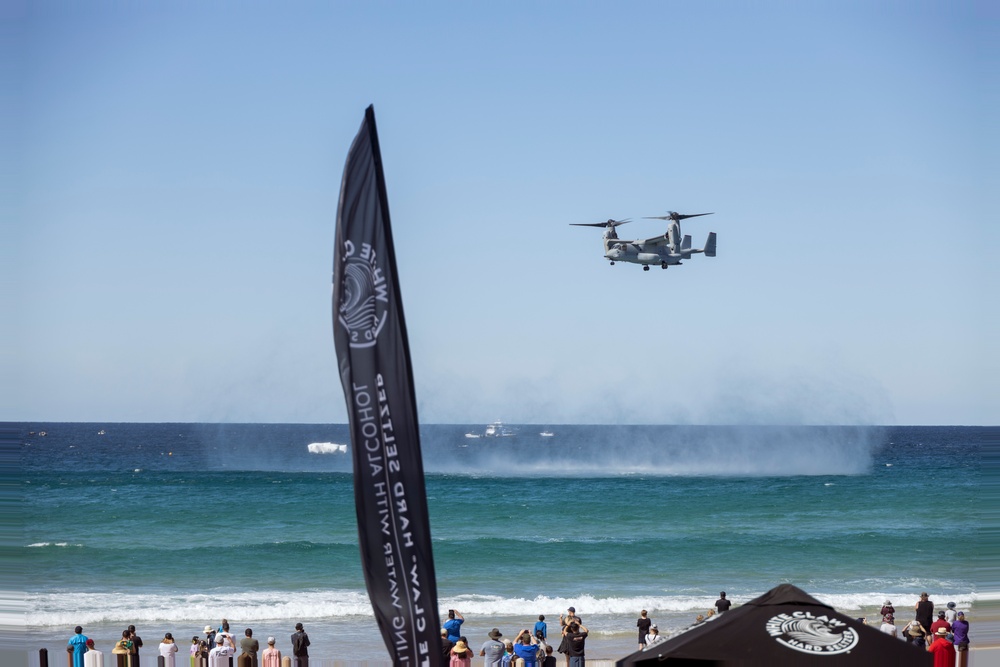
(172, 526)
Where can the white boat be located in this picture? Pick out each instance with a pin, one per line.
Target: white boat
(498, 430)
(326, 448)
(546, 434)
(472, 435)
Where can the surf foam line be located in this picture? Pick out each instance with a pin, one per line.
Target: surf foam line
(68, 608)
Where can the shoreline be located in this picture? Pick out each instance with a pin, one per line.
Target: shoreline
(343, 642)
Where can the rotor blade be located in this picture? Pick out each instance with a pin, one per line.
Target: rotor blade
(693, 215)
(606, 223)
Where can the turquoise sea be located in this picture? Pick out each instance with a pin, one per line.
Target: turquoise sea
(172, 526)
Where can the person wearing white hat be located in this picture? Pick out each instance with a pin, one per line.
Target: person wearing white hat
(220, 655)
(271, 657)
(942, 649)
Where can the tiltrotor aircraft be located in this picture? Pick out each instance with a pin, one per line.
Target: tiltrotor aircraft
(664, 250)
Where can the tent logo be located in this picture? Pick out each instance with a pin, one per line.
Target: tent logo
(365, 302)
(818, 635)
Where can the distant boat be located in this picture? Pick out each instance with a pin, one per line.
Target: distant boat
(326, 448)
(546, 434)
(498, 430)
(101, 432)
(472, 435)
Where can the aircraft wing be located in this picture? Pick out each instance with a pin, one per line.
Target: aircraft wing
(656, 240)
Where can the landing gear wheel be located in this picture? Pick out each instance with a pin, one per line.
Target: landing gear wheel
(664, 265)
(645, 267)
(612, 263)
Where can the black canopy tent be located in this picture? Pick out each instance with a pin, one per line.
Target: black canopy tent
(785, 626)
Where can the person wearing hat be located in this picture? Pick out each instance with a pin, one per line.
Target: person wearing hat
(220, 655)
(915, 634)
(300, 647)
(210, 636)
(461, 655)
(654, 636)
(889, 625)
(942, 649)
(93, 657)
(271, 657)
(887, 608)
(493, 649)
(950, 613)
(925, 612)
(960, 636)
(941, 622)
(570, 617)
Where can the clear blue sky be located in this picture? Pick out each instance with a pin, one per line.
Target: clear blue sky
(175, 170)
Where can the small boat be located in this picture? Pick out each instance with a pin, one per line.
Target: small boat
(472, 435)
(101, 432)
(546, 434)
(498, 430)
(326, 448)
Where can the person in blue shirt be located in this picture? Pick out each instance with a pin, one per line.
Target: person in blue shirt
(526, 648)
(77, 646)
(454, 625)
(540, 626)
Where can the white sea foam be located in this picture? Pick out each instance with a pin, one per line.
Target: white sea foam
(68, 608)
(326, 448)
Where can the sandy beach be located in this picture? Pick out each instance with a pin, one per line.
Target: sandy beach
(336, 645)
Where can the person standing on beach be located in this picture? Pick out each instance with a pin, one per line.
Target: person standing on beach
(77, 646)
(887, 608)
(575, 644)
(526, 648)
(168, 649)
(722, 604)
(124, 647)
(942, 649)
(541, 627)
(454, 625)
(209, 637)
(250, 646)
(300, 647)
(643, 624)
(271, 657)
(570, 617)
(227, 636)
(461, 655)
(136, 645)
(492, 649)
(941, 622)
(914, 633)
(889, 625)
(950, 614)
(925, 612)
(93, 657)
(220, 655)
(960, 631)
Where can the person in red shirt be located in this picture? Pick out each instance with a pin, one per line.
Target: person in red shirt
(942, 649)
(941, 622)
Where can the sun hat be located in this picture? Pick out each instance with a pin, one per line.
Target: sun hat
(208, 628)
(887, 603)
(941, 631)
(460, 647)
(495, 633)
(270, 640)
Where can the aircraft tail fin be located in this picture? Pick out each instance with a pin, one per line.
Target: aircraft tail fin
(710, 245)
(686, 246)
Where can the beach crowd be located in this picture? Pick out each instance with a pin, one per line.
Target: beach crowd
(217, 649)
(946, 637)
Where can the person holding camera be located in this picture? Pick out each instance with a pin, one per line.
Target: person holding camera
(454, 625)
(526, 648)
